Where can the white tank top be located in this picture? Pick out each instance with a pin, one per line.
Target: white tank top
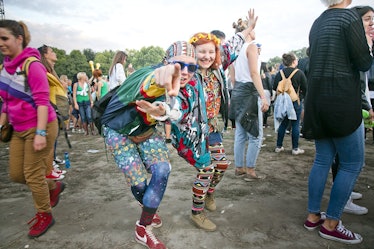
(242, 73)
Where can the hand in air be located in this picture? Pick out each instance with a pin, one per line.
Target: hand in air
(251, 19)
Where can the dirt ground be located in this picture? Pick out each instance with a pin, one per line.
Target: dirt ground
(97, 210)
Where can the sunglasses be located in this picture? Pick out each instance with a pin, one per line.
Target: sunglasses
(190, 67)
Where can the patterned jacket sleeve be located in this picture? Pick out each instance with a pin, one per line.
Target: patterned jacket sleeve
(230, 50)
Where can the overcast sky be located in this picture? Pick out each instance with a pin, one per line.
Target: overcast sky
(123, 24)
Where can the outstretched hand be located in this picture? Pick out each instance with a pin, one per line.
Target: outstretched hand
(169, 76)
(149, 108)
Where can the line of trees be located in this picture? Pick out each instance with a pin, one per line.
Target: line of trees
(77, 61)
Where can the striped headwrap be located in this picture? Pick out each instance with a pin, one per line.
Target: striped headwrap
(180, 48)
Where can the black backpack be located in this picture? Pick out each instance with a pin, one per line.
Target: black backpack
(99, 108)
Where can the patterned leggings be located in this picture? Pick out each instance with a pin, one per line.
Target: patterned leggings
(208, 178)
(136, 160)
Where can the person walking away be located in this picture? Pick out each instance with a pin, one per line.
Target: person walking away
(299, 83)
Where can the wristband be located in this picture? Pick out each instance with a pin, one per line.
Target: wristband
(167, 111)
(172, 114)
(42, 133)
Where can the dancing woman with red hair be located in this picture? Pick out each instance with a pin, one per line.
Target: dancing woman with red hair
(213, 58)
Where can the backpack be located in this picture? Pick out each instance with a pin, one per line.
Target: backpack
(285, 86)
(57, 95)
(99, 108)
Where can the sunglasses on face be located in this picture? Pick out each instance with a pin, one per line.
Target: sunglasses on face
(190, 67)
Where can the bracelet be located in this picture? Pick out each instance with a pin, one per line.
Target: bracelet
(42, 133)
(167, 109)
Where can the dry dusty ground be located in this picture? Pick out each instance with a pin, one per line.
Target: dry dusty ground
(97, 211)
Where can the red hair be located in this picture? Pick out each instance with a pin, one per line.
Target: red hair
(203, 38)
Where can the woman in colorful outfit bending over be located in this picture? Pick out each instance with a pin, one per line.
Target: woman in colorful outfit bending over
(211, 73)
(137, 148)
(26, 106)
(189, 133)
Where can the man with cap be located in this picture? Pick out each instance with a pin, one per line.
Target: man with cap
(136, 146)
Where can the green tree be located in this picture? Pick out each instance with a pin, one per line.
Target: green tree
(77, 62)
(105, 59)
(89, 53)
(147, 56)
(300, 53)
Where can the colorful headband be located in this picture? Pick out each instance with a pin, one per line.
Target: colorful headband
(180, 48)
(206, 36)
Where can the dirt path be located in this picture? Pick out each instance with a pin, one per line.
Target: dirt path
(97, 210)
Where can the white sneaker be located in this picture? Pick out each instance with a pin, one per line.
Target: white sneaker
(59, 161)
(277, 150)
(352, 208)
(297, 151)
(356, 195)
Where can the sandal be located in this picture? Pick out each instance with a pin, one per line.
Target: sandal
(239, 171)
(251, 178)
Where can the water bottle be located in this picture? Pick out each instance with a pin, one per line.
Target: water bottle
(67, 160)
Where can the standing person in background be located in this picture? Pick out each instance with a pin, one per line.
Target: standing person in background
(49, 59)
(83, 102)
(130, 70)
(77, 121)
(65, 82)
(248, 86)
(101, 84)
(211, 73)
(34, 120)
(367, 14)
(116, 71)
(268, 90)
(299, 84)
(333, 113)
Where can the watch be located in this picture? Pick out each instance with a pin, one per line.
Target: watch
(42, 133)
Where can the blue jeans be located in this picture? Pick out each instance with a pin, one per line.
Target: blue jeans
(295, 125)
(254, 143)
(85, 111)
(351, 155)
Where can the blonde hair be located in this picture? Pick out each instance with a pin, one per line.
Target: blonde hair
(80, 75)
(64, 77)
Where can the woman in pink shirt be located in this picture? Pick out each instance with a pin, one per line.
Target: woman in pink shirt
(26, 106)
